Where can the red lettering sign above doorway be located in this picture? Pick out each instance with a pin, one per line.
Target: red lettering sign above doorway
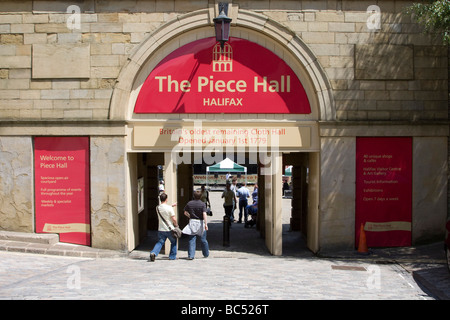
(243, 77)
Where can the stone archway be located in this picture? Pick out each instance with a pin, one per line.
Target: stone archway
(248, 25)
(198, 24)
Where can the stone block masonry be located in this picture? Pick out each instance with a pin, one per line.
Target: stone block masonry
(36, 36)
(74, 74)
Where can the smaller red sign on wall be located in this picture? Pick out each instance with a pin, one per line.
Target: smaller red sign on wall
(62, 188)
(384, 190)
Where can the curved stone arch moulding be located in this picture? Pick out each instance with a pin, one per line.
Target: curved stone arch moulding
(197, 25)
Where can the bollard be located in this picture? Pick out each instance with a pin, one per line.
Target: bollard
(226, 231)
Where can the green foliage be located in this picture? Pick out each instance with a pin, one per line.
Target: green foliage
(434, 16)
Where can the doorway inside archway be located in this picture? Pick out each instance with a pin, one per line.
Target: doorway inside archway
(243, 239)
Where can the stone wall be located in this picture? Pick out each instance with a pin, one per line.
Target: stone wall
(61, 69)
(338, 176)
(51, 70)
(337, 193)
(16, 184)
(429, 188)
(108, 195)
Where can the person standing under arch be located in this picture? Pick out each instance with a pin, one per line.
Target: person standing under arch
(243, 195)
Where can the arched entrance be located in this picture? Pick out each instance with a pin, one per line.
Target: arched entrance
(150, 135)
(196, 25)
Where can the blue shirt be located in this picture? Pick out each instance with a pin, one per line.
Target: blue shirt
(243, 193)
(255, 195)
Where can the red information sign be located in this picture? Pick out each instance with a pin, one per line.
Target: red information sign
(62, 187)
(384, 191)
(244, 77)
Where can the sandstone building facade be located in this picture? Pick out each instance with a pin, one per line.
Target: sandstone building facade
(77, 68)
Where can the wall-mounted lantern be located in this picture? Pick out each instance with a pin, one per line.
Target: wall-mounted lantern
(222, 24)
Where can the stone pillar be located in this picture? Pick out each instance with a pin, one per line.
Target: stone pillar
(16, 184)
(337, 193)
(108, 194)
(272, 203)
(185, 191)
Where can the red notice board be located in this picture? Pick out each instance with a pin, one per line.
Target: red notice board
(384, 190)
(61, 166)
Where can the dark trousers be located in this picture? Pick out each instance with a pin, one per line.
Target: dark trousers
(229, 211)
(243, 206)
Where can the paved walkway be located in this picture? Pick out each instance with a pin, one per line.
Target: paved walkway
(244, 270)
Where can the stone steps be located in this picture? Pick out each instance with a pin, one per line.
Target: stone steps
(44, 238)
(48, 243)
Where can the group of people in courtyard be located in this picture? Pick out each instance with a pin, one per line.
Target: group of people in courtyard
(236, 196)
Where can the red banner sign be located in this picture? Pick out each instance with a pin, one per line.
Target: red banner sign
(62, 188)
(244, 77)
(384, 191)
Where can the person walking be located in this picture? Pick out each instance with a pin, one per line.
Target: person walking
(166, 222)
(195, 210)
(233, 188)
(255, 193)
(243, 194)
(205, 199)
(229, 200)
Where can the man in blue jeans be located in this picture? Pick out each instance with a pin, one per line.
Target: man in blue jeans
(195, 210)
(243, 194)
(167, 221)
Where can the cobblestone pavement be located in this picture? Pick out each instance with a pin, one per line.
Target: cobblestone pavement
(243, 271)
(29, 276)
(236, 273)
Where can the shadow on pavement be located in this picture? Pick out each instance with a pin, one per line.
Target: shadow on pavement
(244, 242)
